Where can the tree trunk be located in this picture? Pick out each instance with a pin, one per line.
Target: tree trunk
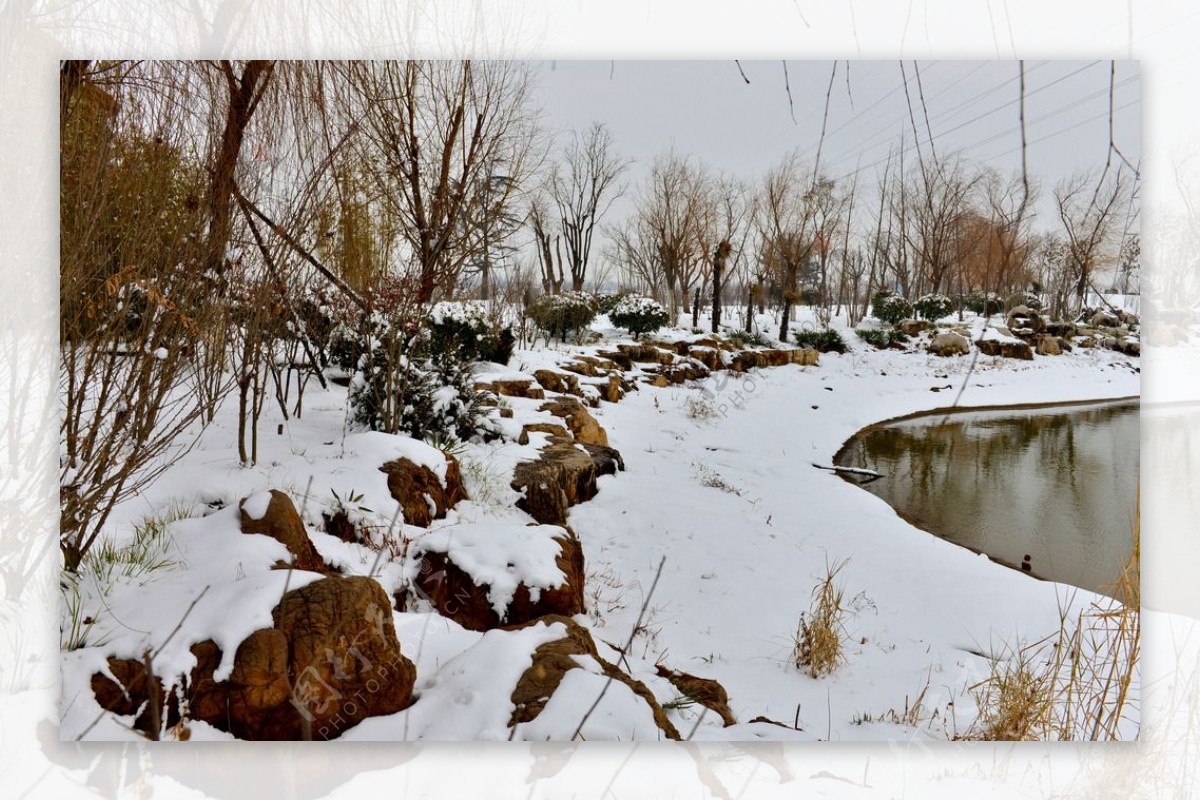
(718, 269)
(244, 94)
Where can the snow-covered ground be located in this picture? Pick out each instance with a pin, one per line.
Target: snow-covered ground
(720, 483)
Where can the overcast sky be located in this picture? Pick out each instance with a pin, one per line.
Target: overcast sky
(708, 110)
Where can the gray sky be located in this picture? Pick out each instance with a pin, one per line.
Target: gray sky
(706, 109)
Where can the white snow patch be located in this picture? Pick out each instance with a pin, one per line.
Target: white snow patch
(257, 504)
(501, 556)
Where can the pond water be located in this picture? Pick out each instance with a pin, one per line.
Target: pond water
(1051, 490)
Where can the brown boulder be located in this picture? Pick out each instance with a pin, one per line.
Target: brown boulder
(710, 357)
(331, 660)
(414, 486)
(1007, 349)
(468, 601)
(581, 423)
(590, 366)
(557, 382)
(563, 475)
(344, 657)
(645, 352)
(282, 523)
(805, 357)
(1048, 346)
(541, 428)
(949, 343)
(747, 359)
(552, 661)
(130, 694)
(911, 328)
(618, 358)
(611, 390)
(513, 389)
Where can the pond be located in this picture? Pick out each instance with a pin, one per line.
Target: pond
(1049, 490)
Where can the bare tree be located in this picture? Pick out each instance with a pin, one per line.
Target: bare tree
(433, 133)
(787, 207)
(1008, 201)
(1089, 208)
(936, 199)
(548, 247)
(583, 188)
(672, 210)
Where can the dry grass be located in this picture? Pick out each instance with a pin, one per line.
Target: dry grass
(818, 642)
(1077, 684)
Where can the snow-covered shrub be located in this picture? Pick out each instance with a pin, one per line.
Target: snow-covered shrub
(560, 314)
(933, 306)
(606, 303)
(825, 341)
(639, 314)
(466, 328)
(889, 307)
(402, 385)
(983, 304)
(881, 337)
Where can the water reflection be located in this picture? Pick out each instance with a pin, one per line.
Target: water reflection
(1055, 488)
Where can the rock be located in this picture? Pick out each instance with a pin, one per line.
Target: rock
(1024, 322)
(706, 692)
(1131, 346)
(581, 423)
(331, 660)
(541, 428)
(682, 371)
(416, 488)
(747, 359)
(341, 526)
(710, 357)
(591, 366)
(460, 593)
(552, 661)
(513, 389)
(282, 523)
(645, 352)
(1104, 319)
(1009, 349)
(563, 475)
(254, 703)
(344, 657)
(658, 381)
(611, 390)
(1061, 328)
(805, 357)
(1047, 345)
(911, 328)
(777, 358)
(553, 381)
(618, 358)
(130, 693)
(949, 343)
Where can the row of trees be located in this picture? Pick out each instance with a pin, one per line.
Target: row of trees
(940, 226)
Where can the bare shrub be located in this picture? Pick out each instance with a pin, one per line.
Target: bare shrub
(818, 641)
(1077, 684)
